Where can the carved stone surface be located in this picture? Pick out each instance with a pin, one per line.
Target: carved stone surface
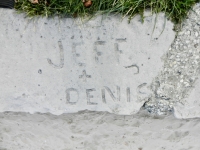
(66, 65)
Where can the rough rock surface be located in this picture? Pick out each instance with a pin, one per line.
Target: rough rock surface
(181, 70)
(97, 131)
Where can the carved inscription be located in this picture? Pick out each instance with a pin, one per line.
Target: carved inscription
(141, 86)
(136, 66)
(128, 93)
(61, 57)
(97, 53)
(117, 98)
(103, 95)
(140, 94)
(105, 92)
(117, 50)
(68, 97)
(75, 54)
(89, 96)
(84, 76)
(72, 94)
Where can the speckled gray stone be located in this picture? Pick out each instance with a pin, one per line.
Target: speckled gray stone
(176, 80)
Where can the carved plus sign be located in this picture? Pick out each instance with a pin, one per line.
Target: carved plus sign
(84, 76)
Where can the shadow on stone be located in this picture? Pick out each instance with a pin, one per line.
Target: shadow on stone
(7, 4)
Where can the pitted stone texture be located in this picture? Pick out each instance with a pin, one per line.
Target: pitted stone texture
(191, 105)
(97, 131)
(181, 69)
(65, 65)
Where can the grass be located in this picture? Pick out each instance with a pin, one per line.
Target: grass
(175, 10)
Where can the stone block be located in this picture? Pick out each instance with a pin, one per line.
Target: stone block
(68, 65)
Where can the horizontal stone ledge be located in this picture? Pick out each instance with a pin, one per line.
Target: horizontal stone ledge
(65, 65)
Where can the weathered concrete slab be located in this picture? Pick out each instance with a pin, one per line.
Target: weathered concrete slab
(65, 65)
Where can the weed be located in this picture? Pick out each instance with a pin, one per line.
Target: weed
(175, 10)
